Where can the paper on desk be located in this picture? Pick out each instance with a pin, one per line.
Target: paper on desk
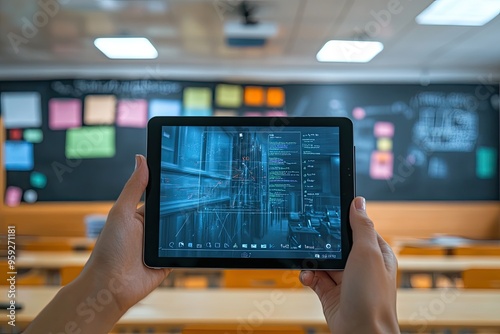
(21, 110)
(90, 142)
(19, 156)
(65, 114)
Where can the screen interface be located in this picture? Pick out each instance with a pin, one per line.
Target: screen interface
(250, 192)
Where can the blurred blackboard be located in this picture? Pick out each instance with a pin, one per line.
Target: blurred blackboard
(436, 142)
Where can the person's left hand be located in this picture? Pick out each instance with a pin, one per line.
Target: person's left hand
(116, 262)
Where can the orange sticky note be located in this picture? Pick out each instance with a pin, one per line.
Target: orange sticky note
(275, 97)
(254, 96)
(100, 109)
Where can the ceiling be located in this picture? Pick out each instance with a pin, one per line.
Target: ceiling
(191, 44)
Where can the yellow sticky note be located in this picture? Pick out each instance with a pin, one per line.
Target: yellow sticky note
(99, 109)
(226, 113)
(197, 98)
(229, 96)
(384, 144)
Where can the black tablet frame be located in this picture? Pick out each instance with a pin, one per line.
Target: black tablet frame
(152, 212)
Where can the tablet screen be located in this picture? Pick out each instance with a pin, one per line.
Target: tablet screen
(250, 192)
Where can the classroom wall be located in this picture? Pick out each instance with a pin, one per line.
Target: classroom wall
(479, 220)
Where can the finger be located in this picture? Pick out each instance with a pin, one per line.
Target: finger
(140, 210)
(133, 190)
(336, 276)
(317, 280)
(390, 261)
(363, 230)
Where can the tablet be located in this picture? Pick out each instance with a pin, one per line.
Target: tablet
(230, 192)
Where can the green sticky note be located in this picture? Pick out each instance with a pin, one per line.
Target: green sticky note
(486, 162)
(38, 180)
(33, 135)
(90, 142)
(229, 96)
(197, 98)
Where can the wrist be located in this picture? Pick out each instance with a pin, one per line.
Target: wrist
(96, 304)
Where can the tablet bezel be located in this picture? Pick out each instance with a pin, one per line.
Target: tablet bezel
(152, 212)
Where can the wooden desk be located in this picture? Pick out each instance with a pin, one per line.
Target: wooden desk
(50, 260)
(176, 308)
(455, 264)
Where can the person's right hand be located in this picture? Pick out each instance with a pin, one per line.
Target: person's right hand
(362, 298)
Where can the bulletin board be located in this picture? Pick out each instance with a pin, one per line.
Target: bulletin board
(75, 140)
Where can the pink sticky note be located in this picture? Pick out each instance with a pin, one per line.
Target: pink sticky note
(13, 196)
(381, 165)
(383, 129)
(276, 113)
(253, 114)
(65, 114)
(132, 113)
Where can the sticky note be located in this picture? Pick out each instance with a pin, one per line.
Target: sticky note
(276, 113)
(15, 134)
(90, 142)
(253, 114)
(229, 96)
(197, 98)
(132, 113)
(65, 114)
(164, 108)
(38, 180)
(13, 196)
(33, 135)
(384, 144)
(381, 165)
(30, 196)
(486, 162)
(254, 96)
(226, 113)
(197, 112)
(383, 129)
(99, 109)
(358, 113)
(275, 97)
(21, 110)
(19, 156)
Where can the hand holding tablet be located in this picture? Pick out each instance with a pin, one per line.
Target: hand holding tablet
(249, 192)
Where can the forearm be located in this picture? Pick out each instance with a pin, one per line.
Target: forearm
(79, 308)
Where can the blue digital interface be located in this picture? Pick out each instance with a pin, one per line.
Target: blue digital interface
(250, 192)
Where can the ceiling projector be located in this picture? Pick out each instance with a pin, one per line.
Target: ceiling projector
(243, 34)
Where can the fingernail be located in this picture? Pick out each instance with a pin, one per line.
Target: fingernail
(360, 203)
(138, 161)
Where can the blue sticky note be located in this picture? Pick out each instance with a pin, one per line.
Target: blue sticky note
(197, 112)
(19, 156)
(160, 107)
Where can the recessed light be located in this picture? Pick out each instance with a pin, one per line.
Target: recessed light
(349, 51)
(459, 12)
(126, 48)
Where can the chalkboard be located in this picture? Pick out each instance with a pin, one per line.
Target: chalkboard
(413, 142)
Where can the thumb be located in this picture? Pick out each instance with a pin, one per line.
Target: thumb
(363, 230)
(133, 190)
